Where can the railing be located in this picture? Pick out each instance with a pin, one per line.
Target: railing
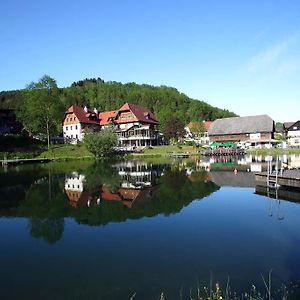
(137, 136)
(224, 151)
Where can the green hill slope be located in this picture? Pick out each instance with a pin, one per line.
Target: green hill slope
(164, 101)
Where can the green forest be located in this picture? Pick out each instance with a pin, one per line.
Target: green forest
(165, 102)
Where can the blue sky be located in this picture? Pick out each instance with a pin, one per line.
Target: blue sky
(239, 55)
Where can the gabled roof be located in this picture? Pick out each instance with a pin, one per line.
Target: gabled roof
(206, 124)
(86, 117)
(106, 117)
(287, 125)
(142, 114)
(242, 125)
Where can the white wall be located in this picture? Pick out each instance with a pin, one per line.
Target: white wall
(294, 138)
(74, 182)
(72, 131)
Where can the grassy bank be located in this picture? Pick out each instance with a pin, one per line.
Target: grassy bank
(274, 151)
(67, 151)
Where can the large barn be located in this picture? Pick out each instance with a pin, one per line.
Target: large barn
(256, 130)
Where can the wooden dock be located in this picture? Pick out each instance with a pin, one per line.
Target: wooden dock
(179, 155)
(283, 193)
(288, 178)
(18, 161)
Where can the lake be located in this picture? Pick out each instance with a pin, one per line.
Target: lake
(85, 230)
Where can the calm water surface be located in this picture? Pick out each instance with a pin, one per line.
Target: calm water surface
(81, 230)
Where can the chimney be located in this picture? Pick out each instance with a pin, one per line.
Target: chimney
(85, 109)
(95, 111)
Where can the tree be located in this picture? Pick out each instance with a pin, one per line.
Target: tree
(198, 129)
(101, 143)
(51, 230)
(42, 110)
(174, 129)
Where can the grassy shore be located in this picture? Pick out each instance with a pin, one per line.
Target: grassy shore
(274, 151)
(67, 151)
(23, 147)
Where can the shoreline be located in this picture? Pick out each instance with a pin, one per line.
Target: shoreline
(78, 152)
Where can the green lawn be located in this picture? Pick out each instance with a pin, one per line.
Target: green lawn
(67, 151)
(274, 151)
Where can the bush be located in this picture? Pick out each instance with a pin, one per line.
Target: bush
(101, 143)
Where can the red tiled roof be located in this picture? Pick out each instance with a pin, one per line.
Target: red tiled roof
(106, 194)
(89, 117)
(142, 114)
(106, 116)
(206, 124)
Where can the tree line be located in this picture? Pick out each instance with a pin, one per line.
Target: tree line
(44, 96)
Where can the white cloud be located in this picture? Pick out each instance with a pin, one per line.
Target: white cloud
(288, 67)
(269, 56)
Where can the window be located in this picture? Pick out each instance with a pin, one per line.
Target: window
(75, 126)
(76, 136)
(78, 186)
(71, 127)
(296, 141)
(66, 127)
(295, 127)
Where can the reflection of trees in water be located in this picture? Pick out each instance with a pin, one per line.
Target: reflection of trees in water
(51, 230)
(45, 203)
(175, 191)
(101, 173)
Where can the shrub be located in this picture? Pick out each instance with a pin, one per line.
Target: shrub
(101, 143)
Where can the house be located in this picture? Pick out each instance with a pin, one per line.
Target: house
(135, 125)
(292, 133)
(256, 131)
(77, 121)
(200, 138)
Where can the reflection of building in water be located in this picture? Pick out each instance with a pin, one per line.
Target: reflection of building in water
(138, 175)
(74, 190)
(128, 196)
(136, 187)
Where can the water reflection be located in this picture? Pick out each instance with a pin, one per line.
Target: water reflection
(248, 163)
(102, 193)
(115, 229)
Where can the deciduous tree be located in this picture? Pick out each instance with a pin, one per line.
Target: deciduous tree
(174, 129)
(42, 110)
(101, 143)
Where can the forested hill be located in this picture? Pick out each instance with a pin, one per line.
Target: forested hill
(164, 101)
